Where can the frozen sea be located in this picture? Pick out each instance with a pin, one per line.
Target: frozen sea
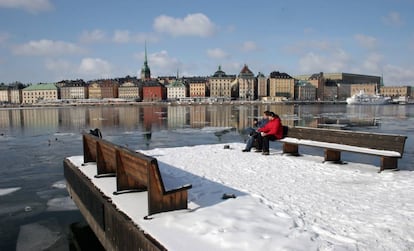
(35, 210)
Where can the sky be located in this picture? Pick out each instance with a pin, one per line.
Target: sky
(282, 202)
(49, 41)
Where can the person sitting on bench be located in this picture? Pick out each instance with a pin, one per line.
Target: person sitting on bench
(252, 131)
(273, 130)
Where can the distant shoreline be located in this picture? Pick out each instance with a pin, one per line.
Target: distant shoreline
(165, 103)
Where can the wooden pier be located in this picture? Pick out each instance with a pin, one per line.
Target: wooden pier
(108, 175)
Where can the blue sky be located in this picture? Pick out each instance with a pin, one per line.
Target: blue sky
(48, 41)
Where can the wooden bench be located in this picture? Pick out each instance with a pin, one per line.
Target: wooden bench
(388, 146)
(100, 151)
(135, 172)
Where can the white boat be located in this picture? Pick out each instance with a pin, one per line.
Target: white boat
(368, 99)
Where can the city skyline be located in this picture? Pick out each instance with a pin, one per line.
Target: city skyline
(49, 41)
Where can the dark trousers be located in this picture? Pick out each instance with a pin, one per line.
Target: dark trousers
(263, 142)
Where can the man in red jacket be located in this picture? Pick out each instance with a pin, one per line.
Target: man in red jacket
(273, 130)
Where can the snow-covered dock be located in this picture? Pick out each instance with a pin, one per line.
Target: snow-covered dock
(281, 203)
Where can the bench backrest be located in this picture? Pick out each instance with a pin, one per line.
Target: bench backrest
(100, 151)
(89, 147)
(132, 170)
(377, 141)
(160, 199)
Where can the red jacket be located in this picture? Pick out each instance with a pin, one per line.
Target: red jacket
(273, 127)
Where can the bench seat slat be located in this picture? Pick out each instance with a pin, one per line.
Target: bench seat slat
(341, 147)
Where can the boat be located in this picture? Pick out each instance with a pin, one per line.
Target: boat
(362, 98)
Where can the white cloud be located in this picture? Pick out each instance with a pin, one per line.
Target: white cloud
(372, 63)
(125, 36)
(59, 65)
(249, 46)
(87, 68)
(95, 68)
(47, 48)
(303, 46)
(32, 6)
(192, 25)
(334, 61)
(366, 41)
(393, 18)
(122, 36)
(92, 36)
(161, 63)
(217, 53)
(397, 75)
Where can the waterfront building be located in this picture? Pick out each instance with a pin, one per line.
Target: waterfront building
(318, 81)
(305, 91)
(370, 88)
(39, 93)
(94, 90)
(396, 91)
(16, 96)
(130, 91)
(101, 89)
(176, 90)
(221, 84)
(153, 90)
(281, 85)
(4, 94)
(11, 94)
(247, 84)
(197, 87)
(261, 85)
(76, 89)
(341, 82)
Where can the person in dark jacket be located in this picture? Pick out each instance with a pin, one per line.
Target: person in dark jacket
(273, 130)
(252, 131)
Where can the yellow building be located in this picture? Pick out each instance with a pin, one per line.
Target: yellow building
(247, 84)
(129, 90)
(220, 84)
(39, 93)
(370, 89)
(281, 85)
(103, 89)
(396, 91)
(197, 86)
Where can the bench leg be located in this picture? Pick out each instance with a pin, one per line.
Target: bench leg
(332, 155)
(388, 163)
(291, 149)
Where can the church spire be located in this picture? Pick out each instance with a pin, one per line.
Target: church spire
(145, 71)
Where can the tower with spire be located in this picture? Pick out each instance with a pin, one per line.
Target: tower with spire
(145, 70)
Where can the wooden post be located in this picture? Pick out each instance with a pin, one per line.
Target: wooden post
(388, 163)
(292, 149)
(332, 155)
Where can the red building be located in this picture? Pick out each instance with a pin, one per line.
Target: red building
(153, 91)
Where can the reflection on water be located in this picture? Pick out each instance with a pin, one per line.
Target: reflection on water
(35, 141)
(157, 117)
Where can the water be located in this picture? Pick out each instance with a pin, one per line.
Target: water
(34, 142)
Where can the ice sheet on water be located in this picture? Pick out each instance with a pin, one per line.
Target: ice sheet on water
(207, 129)
(5, 191)
(61, 204)
(61, 184)
(36, 237)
